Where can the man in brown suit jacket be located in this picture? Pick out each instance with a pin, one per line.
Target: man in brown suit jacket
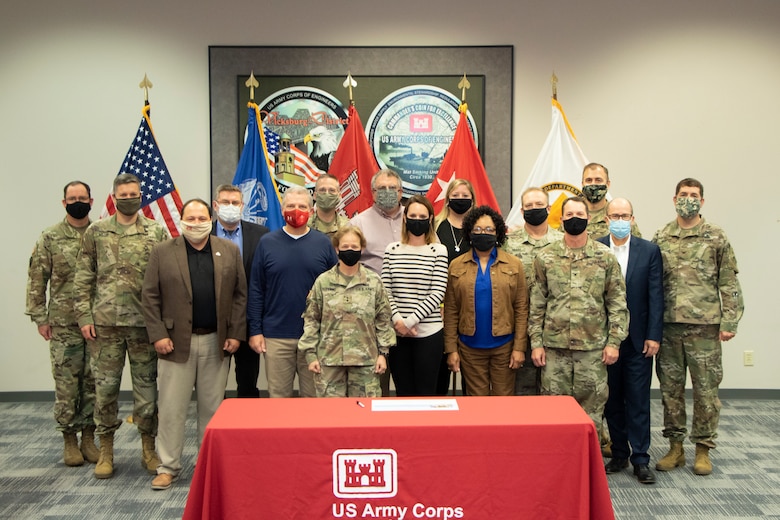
(194, 304)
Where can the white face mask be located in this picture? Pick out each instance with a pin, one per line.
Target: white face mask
(228, 213)
(196, 232)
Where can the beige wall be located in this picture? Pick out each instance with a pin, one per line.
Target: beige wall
(657, 91)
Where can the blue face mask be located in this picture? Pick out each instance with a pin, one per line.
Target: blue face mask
(620, 228)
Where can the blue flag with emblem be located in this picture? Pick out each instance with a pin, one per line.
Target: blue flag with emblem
(261, 196)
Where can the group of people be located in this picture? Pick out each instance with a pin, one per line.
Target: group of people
(343, 304)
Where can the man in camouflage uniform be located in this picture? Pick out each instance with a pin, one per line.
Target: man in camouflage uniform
(703, 306)
(327, 197)
(347, 330)
(578, 314)
(109, 277)
(524, 243)
(595, 185)
(52, 264)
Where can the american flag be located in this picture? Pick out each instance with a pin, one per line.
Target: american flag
(303, 164)
(160, 199)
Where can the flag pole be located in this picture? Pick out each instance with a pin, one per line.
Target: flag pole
(554, 83)
(348, 84)
(252, 84)
(146, 85)
(463, 86)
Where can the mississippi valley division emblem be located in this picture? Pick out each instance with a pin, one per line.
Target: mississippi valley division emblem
(365, 473)
(411, 130)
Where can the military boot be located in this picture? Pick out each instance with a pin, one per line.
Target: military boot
(88, 448)
(149, 458)
(71, 455)
(702, 465)
(105, 463)
(674, 458)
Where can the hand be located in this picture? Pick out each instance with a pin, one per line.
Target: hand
(651, 348)
(45, 331)
(231, 345)
(88, 331)
(453, 361)
(257, 343)
(381, 364)
(402, 330)
(539, 356)
(517, 360)
(315, 367)
(725, 336)
(163, 346)
(610, 355)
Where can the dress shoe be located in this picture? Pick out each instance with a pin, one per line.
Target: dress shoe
(644, 474)
(616, 465)
(163, 481)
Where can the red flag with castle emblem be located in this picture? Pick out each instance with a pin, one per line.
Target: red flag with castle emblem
(462, 161)
(354, 165)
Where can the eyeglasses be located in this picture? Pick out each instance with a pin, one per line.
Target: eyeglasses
(483, 231)
(623, 216)
(327, 190)
(385, 188)
(229, 202)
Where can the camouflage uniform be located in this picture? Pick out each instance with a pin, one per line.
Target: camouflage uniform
(525, 247)
(702, 297)
(53, 264)
(328, 228)
(578, 306)
(346, 325)
(109, 278)
(599, 227)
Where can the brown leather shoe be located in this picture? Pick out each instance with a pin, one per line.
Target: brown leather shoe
(163, 481)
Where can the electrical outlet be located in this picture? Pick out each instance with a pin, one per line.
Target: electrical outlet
(747, 358)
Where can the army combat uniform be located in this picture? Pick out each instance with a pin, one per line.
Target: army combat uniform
(53, 264)
(702, 297)
(525, 247)
(578, 306)
(108, 285)
(599, 227)
(328, 228)
(346, 326)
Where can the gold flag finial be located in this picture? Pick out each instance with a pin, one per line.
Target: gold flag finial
(348, 84)
(554, 82)
(252, 84)
(463, 86)
(146, 85)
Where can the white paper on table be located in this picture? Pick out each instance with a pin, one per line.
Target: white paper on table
(413, 405)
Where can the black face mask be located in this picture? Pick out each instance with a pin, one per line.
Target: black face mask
(535, 216)
(483, 242)
(460, 206)
(418, 227)
(78, 210)
(575, 225)
(349, 256)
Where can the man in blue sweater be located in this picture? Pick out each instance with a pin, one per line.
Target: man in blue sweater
(286, 263)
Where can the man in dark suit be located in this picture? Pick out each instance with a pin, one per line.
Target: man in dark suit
(628, 407)
(194, 307)
(228, 206)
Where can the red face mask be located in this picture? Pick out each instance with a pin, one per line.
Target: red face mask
(296, 217)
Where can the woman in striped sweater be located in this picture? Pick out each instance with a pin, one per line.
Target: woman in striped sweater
(414, 272)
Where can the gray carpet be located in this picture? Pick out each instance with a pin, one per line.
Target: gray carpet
(34, 483)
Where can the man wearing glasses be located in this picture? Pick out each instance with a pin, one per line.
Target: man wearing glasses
(327, 197)
(228, 207)
(628, 407)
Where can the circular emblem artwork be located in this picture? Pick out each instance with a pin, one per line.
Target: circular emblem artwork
(411, 129)
(303, 127)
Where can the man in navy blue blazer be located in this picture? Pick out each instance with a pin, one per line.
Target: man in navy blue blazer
(628, 407)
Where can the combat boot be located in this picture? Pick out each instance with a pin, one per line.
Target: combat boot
(71, 454)
(702, 465)
(673, 459)
(149, 458)
(105, 463)
(88, 448)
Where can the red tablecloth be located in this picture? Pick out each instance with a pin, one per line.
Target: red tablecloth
(495, 458)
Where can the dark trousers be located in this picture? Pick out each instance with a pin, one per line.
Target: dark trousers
(628, 406)
(414, 363)
(247, 369)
